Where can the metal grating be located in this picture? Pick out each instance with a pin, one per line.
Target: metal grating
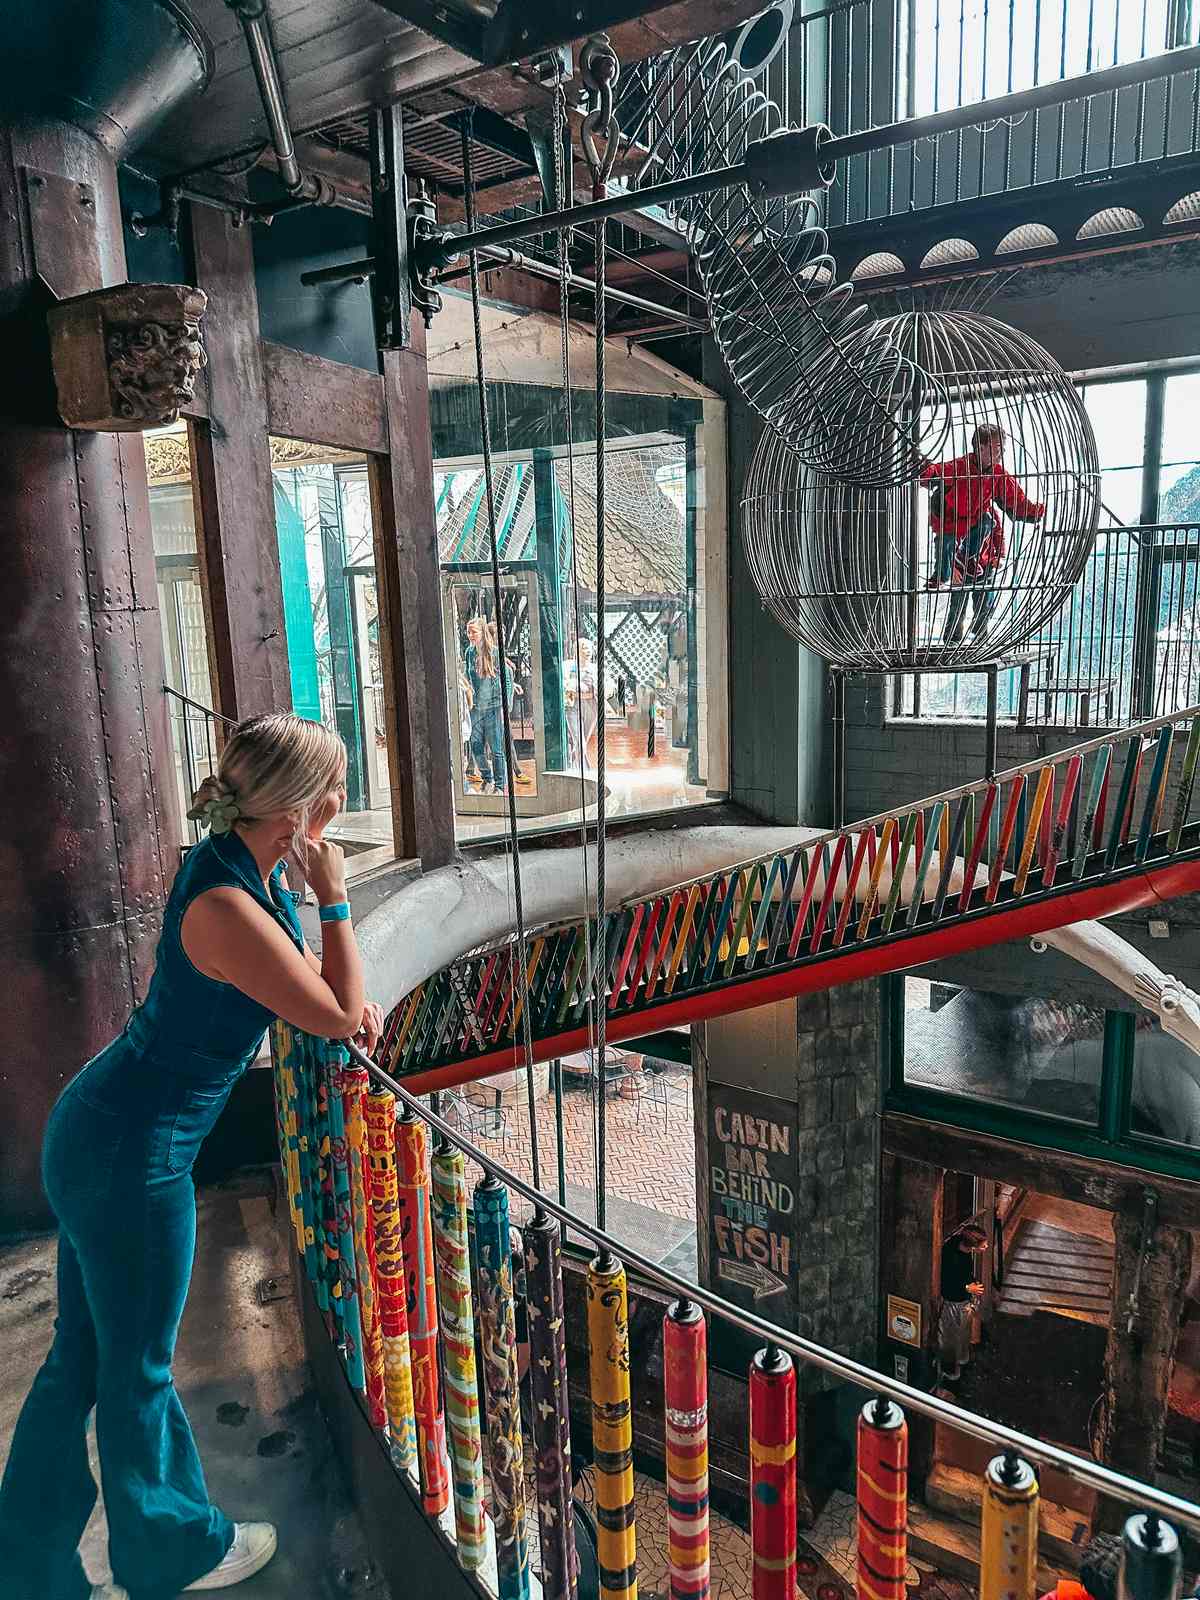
(432, 147)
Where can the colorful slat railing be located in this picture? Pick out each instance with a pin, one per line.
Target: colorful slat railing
(1098, 828)
(337, 1138)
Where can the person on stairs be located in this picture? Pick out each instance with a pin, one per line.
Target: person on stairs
(117, 1167)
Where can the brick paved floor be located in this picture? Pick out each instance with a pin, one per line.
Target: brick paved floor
(650, 1149)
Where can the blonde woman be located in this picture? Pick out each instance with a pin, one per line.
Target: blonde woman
(117, 1165)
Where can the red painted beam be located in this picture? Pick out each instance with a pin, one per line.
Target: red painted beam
(928, 944)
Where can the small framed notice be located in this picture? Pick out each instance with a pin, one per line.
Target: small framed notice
(904, 1321)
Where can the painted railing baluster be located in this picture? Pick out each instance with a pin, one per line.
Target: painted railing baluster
(882, 1471)
(642, 959)
(896, 892)
(551, 1414)
(626, 955)
(806, 899)
(773, 1474)
(612, 1427)
(1092, 812)
(1187, 783)
(353, 1084)
(339, 1224)
(1124, 801)
(878, 867)
(1155, 794)
(416, 1245)
(983, 833)
(759, 931)
(531, 966)
(783, 916)
(925, 856)
(1012, 815)
(685, 1427)
(831, 876)
(1058, 833)
(389, 1279)
(705, 973)
(448, 1173)
(685, 931)
(1033, 831)
(675, 906)
(750, 879)
(950, 853)
(860, 856)
(501, 1384)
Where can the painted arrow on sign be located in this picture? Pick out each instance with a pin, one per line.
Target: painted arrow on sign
(750, 1275)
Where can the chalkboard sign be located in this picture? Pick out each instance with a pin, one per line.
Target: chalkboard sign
(752, 1200)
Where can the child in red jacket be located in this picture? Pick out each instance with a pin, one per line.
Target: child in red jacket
(961, 512)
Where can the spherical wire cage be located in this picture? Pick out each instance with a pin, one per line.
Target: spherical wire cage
(960, 566)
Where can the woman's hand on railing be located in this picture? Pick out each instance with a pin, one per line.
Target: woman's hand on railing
(371, 1027)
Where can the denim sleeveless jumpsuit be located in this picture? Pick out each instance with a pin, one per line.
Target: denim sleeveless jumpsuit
(117, 1165)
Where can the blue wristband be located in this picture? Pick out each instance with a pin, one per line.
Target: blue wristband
(338, 912)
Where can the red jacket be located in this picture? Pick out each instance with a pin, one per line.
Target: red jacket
(969, 490)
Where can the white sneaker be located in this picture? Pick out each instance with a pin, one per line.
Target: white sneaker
(109, 1591)
(253, 1546)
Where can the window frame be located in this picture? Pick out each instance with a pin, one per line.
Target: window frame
(1111, 1139)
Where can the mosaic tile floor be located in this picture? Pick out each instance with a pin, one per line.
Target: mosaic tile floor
(651, 1152)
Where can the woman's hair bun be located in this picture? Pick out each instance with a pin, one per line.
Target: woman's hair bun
(211, 789)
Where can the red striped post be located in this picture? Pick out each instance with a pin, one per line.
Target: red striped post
(882, 1501)
(773, 1474)
(685, 1382)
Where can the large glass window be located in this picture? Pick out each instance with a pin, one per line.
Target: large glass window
(181, 611)
(652, 710)
(1165, 1099)
(327, 568)
(980, 50)
(1042, 1055)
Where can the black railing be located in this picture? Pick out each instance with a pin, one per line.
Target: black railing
(195, 747)
(1125, 645)
(854, 64)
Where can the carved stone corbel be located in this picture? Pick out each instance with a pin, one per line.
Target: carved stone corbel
(127, 358)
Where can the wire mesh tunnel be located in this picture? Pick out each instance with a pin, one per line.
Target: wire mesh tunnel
(965, 563)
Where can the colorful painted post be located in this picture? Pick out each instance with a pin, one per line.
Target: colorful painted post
(551, 1405)
(451, 1247)
(416, 1243)
(773, 1474)
(685, 1383)
(1008, 1561)
(353, 1084)
(882, 1501)
(612, 1427)
(389, 1279)
(498, 1337)
(347, 1288)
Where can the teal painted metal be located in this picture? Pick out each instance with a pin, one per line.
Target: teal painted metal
(297, 602)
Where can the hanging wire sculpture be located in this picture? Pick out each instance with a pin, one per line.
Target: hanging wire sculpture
(965, 563)
(796, 346)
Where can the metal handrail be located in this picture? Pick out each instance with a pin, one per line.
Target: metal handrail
(177, 694)
(1180, 1512)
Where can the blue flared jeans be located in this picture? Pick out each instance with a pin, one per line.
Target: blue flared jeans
(117, 1169)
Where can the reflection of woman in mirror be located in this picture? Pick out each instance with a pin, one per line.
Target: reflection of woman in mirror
(474, 632)
(580, 686)
(487, 722)
(513, 679)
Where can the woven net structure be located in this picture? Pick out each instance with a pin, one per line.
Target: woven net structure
(963, 564)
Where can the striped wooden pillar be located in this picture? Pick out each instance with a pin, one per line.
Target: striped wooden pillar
(551, 1406)
(773, 1474)
(353, 1084)
(389, 1279)
(342, 1223)
(498, 1336)
(451, 1247)
(685, 1382)
(1008, 1560)
(882, 1501)
(416, 1243)
(612, 1427)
